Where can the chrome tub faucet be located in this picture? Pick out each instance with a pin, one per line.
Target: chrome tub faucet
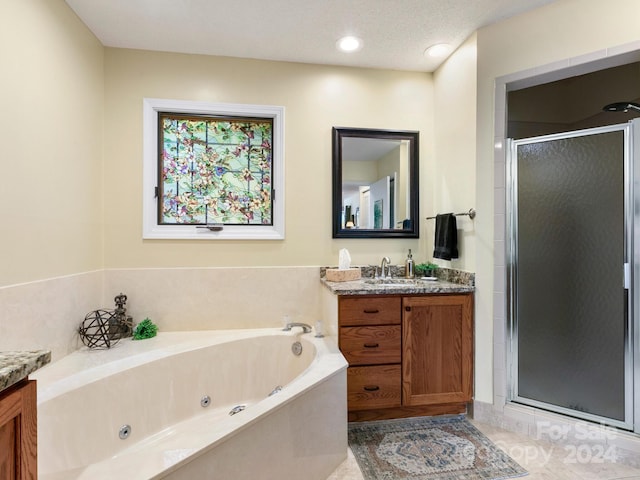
(305, 327)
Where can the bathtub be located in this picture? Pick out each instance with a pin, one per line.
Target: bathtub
(171, 398)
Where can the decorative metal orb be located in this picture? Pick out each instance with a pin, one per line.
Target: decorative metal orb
(105, 328)
(100, 330)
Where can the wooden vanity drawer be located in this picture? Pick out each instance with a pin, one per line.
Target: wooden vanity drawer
(374, 387)
(369, 310)
(371, 345)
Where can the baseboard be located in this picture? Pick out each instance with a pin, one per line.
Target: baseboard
(408, 411)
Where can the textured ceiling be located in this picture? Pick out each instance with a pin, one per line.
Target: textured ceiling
(395, 32)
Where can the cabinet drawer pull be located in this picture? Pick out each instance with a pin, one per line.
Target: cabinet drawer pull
(372, 310)
(407, 309)
(371, 388)
(371, 345)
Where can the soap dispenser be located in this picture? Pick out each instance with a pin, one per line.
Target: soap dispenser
(408, 266)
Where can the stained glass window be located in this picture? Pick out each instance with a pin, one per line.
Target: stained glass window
(214, 170)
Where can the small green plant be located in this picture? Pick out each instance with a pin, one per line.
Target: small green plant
(425, 269)
(145, 329)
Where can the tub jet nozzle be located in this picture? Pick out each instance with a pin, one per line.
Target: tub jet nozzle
(237, 409)
(125, 431)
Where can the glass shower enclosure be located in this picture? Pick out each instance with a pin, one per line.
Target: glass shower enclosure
(571, 270)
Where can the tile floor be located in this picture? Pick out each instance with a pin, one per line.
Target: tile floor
(544, 461)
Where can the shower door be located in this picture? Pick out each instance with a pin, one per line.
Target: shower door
(570, 255)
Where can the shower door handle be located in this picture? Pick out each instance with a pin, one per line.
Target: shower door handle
(627, 276)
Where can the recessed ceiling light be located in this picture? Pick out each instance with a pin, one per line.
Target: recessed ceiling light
(349, 44)
(438, 50)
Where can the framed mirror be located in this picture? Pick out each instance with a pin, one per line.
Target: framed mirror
(375, 183)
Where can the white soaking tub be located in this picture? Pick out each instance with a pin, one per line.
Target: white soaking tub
(152, 393)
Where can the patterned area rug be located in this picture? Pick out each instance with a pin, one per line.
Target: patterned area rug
(433, 448)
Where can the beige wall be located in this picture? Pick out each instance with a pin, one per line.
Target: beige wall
(72, 183)
(52, 84)
(453, 186)
(60, 86)
(540, 41)
(51, 91)
(315, 97)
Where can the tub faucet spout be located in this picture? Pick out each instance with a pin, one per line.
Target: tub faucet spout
(305, 327)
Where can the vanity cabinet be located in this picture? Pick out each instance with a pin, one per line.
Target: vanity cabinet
(370, 339)
(437, 357)
(18, 432)
(408, 355)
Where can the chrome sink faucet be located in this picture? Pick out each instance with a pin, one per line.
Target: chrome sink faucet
(385, 263)
(305, 327)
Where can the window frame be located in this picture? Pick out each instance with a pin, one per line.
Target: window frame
(152, 229)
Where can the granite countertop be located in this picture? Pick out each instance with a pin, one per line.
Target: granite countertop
(14, 366)
(448, 281)
(367, 286)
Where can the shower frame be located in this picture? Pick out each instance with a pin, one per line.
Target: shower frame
(630, 272)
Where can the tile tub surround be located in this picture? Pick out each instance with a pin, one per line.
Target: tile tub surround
(46, 314)
(218, 298)
(15, 366)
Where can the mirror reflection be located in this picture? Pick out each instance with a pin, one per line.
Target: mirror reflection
(375, 186)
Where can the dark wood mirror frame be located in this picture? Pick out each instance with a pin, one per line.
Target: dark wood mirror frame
(410, 231)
